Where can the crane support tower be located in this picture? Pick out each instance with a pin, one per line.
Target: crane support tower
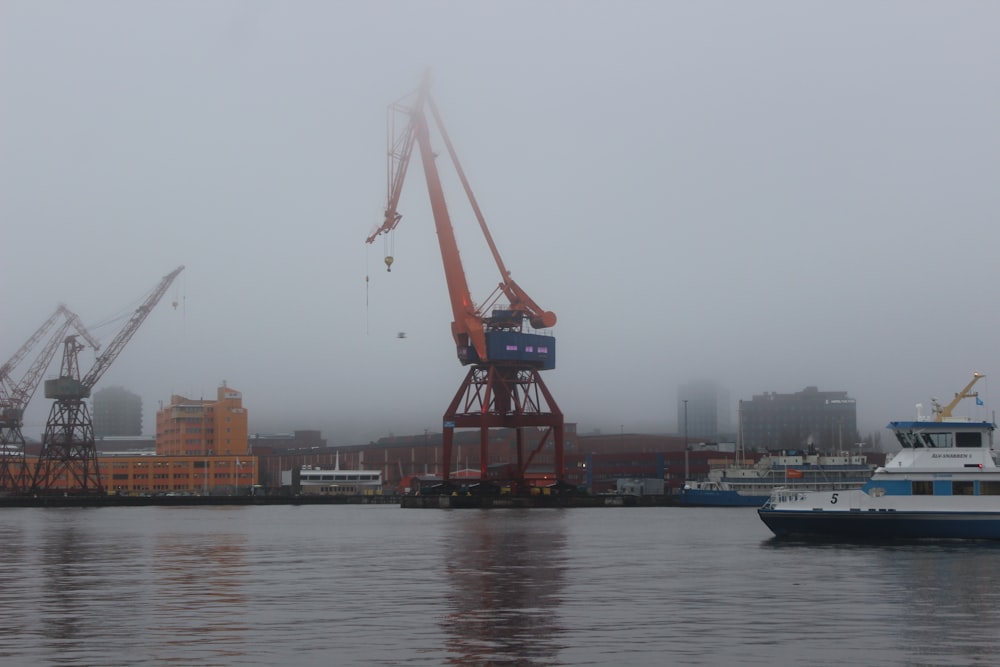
(15, 396)
(500, 340)
(68, 447)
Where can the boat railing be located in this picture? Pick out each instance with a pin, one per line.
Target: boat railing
(784, 495)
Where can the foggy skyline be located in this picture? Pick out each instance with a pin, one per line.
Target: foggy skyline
(770, 195)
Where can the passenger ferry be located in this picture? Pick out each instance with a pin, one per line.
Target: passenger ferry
(943, 483)
(751, 484)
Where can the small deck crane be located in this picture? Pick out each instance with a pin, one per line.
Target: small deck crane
(15, 396)
(68, 446)
(503, 387)
(944, 412)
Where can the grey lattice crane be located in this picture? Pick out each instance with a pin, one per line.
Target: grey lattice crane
(68, 460)
(15, 396)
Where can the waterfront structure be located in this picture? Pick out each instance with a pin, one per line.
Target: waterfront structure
(810, 419)
(189, 427)
(117, 412)
(703, 410)
(310, 480)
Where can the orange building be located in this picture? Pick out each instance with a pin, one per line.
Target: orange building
(211, 475)
(189, 427)
(140, 474)
(201, 448)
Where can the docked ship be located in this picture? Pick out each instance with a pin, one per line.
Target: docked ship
(743, 484)
(943, 483)
(751, 484)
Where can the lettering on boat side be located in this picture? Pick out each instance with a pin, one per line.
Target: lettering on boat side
(951, 456)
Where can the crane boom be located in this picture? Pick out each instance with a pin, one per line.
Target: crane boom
(942, 413)
(28, 345)
(472, 325)
(103, 362)
(16, 398)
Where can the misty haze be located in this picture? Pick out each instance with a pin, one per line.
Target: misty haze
(770, 196)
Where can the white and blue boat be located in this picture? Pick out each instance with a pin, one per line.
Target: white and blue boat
(943, 483)
(750, 484)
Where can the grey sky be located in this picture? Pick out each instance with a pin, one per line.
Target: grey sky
(770, 194)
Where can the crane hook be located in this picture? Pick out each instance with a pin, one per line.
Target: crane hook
(388, 262)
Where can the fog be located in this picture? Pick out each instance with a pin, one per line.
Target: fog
(771, 195)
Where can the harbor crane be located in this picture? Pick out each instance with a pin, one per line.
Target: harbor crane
(500, 340)
(15, 396)
(944, 412)
(68, 460)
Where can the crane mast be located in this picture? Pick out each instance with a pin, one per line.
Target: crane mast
(68, 446)
(503, 387)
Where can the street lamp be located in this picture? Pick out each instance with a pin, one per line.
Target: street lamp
(687, 474)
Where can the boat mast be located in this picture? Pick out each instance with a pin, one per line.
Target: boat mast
(740, 455)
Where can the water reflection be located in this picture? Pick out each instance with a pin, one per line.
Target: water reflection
(13, 584)
(506, 569)
(926, 601)
(947, 598)
(65, 556)
(200, 580)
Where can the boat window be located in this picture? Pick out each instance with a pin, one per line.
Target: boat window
(963, 488)
(973, 439)
(922, 488)
(905, 438)
(938, 439)
(989, 488)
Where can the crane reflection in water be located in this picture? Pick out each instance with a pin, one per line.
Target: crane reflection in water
(506, 579)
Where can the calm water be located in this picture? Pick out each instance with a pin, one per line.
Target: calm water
(378, 585)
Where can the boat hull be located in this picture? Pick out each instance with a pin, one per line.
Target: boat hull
(882, 524)
(719, 498)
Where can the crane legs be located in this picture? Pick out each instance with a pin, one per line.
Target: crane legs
(507, 396)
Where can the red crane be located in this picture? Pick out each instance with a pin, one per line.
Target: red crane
(14, 397)
(68, 447)
(498, 340)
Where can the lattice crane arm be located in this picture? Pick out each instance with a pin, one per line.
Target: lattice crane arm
(22, 352)
(22, 392)
(104, 360)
